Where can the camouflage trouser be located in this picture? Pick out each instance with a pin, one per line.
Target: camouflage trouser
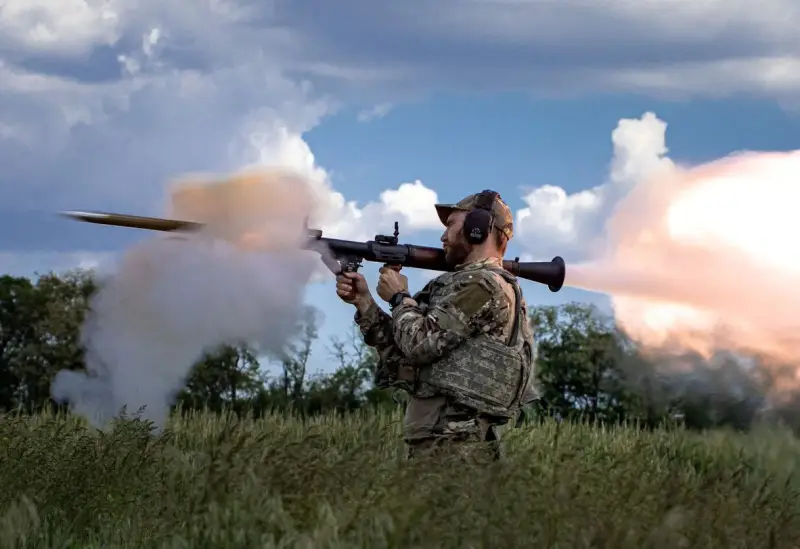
(474, 440)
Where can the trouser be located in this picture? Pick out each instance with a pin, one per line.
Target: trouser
(476, 440)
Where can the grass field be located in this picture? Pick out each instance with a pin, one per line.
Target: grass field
(211, 481)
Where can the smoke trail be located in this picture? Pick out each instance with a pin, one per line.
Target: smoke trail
(175, 297)
(703, 263)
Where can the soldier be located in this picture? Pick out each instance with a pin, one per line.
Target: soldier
(462, 347)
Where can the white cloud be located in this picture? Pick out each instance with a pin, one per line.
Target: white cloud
(411, 204)
(572, 225)
(415, 202)
(67, 27)
(378, 111)
(101, 103)
(121, 97)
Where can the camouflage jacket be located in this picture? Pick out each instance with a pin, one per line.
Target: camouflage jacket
(468, 301)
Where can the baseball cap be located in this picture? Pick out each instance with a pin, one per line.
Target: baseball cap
(503, 219)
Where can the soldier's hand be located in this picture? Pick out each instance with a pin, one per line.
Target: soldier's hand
(352, 288)
(391, 282)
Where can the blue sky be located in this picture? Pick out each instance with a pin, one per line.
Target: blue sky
(103, 108)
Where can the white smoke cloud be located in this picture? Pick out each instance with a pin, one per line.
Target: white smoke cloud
(175, 297)
(171, 301)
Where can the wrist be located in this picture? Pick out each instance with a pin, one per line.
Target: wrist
(398, 298)
(363, 305)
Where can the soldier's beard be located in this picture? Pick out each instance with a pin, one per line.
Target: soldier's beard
(457, 252)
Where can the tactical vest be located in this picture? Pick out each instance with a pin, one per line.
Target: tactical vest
(485, 374)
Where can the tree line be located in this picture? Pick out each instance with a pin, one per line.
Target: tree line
(585, 368)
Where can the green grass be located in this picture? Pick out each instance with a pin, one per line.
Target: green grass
(211, 481)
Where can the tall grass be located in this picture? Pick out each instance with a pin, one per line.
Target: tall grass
(215, 481)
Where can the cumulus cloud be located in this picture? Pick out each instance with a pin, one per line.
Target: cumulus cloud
(573, 225)
(411, 203)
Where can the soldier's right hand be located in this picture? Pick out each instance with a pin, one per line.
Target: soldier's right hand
(352, 288)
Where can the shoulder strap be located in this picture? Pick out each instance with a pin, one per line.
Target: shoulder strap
(525, 375)
(508, 277)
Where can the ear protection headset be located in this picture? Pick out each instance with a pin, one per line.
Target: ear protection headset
(479, 221)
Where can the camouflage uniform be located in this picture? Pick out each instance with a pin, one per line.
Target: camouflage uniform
(476, 300)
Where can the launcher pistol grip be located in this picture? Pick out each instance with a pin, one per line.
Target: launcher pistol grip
(350, 263)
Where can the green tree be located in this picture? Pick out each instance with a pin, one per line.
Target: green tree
(17, 321)
(577, 362)
(350, 385)
(230, 376)
(41, 328)
(294, 361)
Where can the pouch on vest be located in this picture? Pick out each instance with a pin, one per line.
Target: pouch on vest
(483, 373)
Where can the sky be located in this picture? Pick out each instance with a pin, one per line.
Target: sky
(389, 107)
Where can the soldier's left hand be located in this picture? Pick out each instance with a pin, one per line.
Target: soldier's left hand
(390, 282)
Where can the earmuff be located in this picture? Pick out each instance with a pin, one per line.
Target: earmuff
(479, 221)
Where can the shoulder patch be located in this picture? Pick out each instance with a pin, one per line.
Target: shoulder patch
(471, 291)
(480, 276)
